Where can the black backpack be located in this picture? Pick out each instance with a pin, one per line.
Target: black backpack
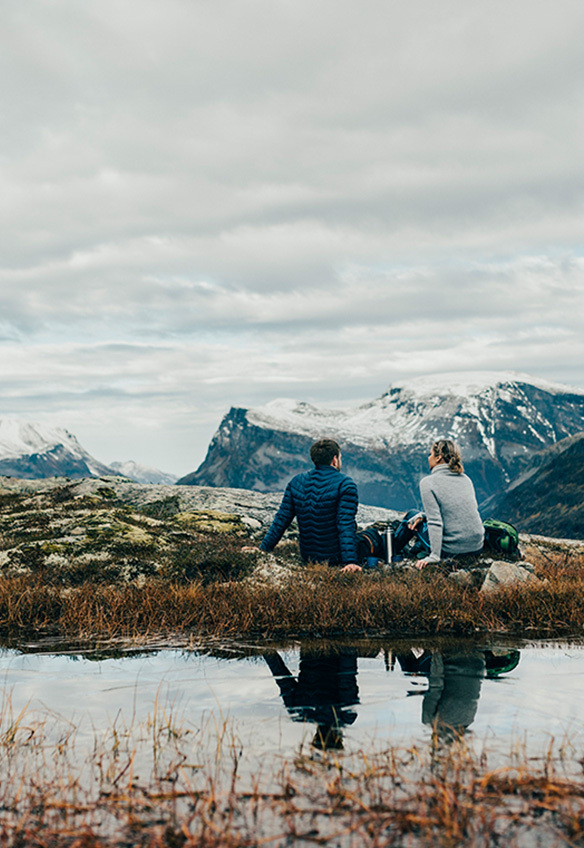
(501, 537)
(371, 543)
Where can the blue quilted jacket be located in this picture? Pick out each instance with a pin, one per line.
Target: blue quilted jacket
(325, 503)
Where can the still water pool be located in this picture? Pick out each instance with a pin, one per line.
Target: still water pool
(276, 699)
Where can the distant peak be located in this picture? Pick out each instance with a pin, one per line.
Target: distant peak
(472, 382)
(142, 473)
(18, 437)
(288, 405)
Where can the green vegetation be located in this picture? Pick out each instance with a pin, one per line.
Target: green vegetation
(81, 565)
(59, 538)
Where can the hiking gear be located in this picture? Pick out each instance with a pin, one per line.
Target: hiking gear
(411, 542)
(370, 543)
(501, 663)
(388, 545)
(500, 537)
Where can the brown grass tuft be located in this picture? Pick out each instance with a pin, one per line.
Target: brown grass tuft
(321, 601)
(155, 785)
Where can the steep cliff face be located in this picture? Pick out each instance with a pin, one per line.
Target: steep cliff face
(499, 420)
(548, 497)
(34, 451)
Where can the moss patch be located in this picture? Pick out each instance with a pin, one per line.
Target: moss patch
(216, 522)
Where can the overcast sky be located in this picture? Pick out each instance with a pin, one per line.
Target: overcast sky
(209, 203)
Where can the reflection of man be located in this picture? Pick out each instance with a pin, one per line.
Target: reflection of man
(324, 690)
(325, 503)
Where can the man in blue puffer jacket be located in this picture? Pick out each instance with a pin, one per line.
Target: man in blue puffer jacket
(325, 503)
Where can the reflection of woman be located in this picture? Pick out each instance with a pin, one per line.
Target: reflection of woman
(452, 698)
(454, 683)
(454, 526)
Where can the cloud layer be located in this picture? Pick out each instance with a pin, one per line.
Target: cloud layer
(206, 204)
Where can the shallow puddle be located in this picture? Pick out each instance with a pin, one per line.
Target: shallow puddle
(228, 741)
(276, 699)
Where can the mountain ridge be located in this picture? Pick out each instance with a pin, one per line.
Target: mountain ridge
(548, 497)
(142, 473)
(499, 420)
(33, 451)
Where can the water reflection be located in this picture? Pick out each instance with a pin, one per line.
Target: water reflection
(323, 692)
(454, 687)
(345, 694)
(454, 684)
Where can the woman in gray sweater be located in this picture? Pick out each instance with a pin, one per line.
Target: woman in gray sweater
(450, 507)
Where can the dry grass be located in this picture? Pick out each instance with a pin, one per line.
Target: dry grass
(156, 785)
(320, 602)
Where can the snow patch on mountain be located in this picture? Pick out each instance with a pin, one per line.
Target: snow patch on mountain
(143, 473)
(23, 441)
(471, 383)
(407, 409)
(498, 419)
(23, 438)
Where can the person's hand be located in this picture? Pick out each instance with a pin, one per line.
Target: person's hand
(351, 568)
(415, 522)
(422, 563)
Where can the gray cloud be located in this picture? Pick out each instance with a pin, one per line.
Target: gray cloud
(204, 204)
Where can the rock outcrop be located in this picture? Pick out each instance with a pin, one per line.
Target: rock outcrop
(111, 529)
(508, 574)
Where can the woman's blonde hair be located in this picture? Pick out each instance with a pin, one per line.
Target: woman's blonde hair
(446, 449)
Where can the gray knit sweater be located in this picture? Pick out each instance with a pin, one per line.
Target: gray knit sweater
(450, 504)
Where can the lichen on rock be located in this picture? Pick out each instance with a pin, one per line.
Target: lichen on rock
(502, 573)
(218, 522)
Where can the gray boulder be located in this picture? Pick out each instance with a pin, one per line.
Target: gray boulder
(508, 573)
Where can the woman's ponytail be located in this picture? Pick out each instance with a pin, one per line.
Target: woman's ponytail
(446, 450)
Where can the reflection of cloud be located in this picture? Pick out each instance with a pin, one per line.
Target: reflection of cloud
(78, 689)
(515, 707)
(250, 196)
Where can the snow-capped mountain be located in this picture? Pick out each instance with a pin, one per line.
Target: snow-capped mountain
(499, 420)
(143, 473)
(34, 450)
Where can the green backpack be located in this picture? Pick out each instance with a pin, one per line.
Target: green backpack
(501, 537)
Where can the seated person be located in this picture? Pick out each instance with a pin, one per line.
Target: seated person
(451, 525)
(325, 503)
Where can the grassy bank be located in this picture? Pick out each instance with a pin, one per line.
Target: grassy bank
(77, 561)
(313, 601)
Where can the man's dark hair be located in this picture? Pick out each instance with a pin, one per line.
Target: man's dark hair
(323, 451)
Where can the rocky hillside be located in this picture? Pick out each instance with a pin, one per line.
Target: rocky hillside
(499, 420)
(35, 451)
(548, 498)
(111, 530)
